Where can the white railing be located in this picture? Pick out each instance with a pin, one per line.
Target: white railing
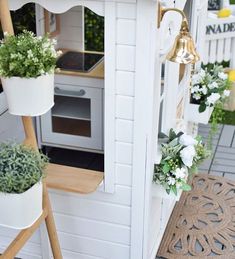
(220, 40)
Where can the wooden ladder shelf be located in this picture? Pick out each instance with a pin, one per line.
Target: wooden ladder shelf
(30, 140)
(59, 177)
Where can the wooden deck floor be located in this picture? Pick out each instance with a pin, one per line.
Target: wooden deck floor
(222, 162)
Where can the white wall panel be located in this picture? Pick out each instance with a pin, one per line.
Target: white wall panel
(100, 211)
(125, 83)
(126, 10)
(125, 58)
(124, 130)
(93, 229)
(124, 107)
(123, 174)
(126, 32)
(124, 153)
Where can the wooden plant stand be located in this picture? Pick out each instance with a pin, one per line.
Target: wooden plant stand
(30, 140)
(59, 177)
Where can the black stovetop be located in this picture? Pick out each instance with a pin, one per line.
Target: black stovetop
(78, 61)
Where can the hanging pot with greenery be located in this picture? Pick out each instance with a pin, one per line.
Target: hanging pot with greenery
(21, 173)
(27, 65)
(210, 88)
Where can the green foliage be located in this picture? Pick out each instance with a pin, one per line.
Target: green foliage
(228, 118)
(181, 155)
(20, 167)
(94, 31)
(216, 118)
(210, 86)
(23, 19)
(26, 55)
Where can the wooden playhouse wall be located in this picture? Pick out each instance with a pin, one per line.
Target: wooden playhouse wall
(97, 225)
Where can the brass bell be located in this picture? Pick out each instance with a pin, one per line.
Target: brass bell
(183, 51)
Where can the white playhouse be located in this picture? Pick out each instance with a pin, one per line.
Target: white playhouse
(113, 107)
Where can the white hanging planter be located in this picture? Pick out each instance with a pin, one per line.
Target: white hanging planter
(194, 115)
(29, 96)
(160, 192)
(20, 211)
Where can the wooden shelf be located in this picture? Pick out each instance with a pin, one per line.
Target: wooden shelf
(71, 179)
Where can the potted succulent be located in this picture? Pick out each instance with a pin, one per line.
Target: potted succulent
(21, 173)
(180, 157)
(27, 65)
(210, 88)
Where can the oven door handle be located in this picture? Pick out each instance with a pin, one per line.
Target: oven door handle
(79, 93)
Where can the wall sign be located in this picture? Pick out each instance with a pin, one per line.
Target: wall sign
(220, 28)
(214, 4)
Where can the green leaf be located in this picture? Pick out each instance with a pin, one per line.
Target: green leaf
(162, 135)
(172, 135)
(166, 168)
(174, 189)
(202, 107)
(186, 187)
(168, 191)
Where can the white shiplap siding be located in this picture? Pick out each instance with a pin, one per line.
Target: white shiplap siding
(97, 226)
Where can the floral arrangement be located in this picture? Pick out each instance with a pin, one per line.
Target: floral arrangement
(209, 87)
(181, 155)
(27, 55)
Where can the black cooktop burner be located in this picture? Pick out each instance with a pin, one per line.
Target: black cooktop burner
(78, 61)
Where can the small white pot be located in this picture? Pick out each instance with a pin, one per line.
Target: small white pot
(160, 192)
(20, 211)
(29, 96)
(194, 115)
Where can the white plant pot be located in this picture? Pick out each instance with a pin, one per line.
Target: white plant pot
(29, 96)
(20, 211)
(194, 115)
(159, 191)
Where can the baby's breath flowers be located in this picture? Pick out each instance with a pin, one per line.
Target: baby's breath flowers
(181, 154)
(209, 87)
(27, 55)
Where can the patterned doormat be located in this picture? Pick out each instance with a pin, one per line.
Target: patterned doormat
(202, 224)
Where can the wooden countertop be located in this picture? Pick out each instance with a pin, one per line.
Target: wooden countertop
(72, 179)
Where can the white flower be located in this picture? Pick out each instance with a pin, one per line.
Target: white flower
(226, 93)
(30, 53)
(213, 98)
(187, 140)
(195, 89)
(223, 76)
(171, 180)
(196, 79)
(54, 41)
(180, 173)
(187, 154)
(204, 90)
(213, 85)
(5, 33)
(202, 73)
(197, 96)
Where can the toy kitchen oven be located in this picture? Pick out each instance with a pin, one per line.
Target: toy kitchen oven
(76, 120)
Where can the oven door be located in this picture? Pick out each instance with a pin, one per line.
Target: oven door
(76, 120)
